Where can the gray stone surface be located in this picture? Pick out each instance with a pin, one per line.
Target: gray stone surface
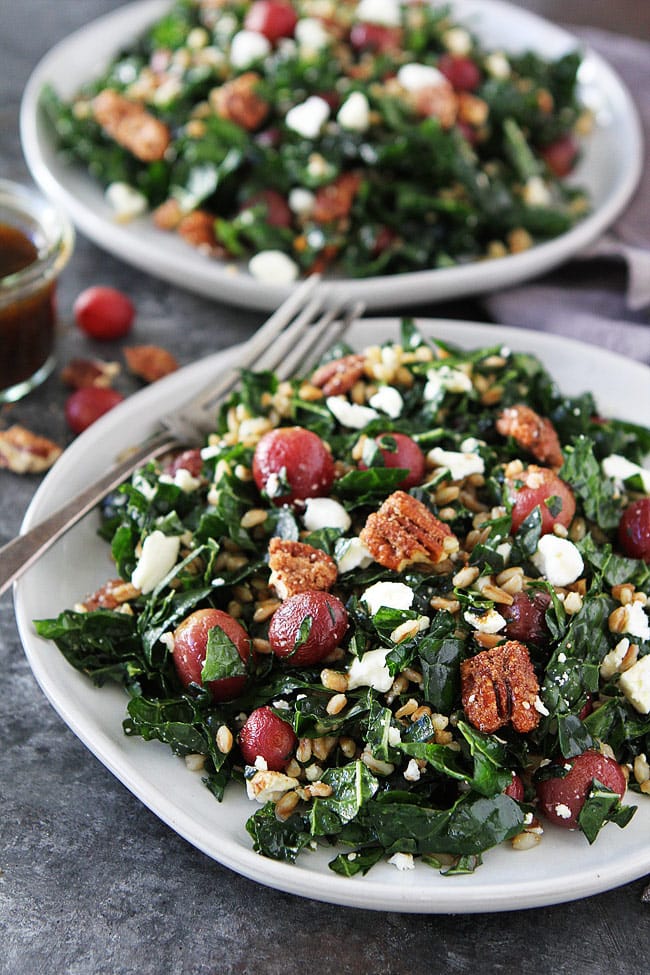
(91, 882)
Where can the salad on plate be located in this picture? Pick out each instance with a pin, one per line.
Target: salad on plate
(369, 138)
(401, 601)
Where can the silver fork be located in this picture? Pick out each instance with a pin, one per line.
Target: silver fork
(292, 337)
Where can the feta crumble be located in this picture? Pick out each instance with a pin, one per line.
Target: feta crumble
(558, 560)
(159, 554)
(394, 595)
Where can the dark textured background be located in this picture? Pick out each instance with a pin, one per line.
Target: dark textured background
(92, 882)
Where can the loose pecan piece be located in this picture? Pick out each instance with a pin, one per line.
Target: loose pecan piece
(239, 102)
(112, 594)
(89, 372)
(149, 362)
(437, 101)
(403, 532)
(297, 567)
(339, 376)
(197, 230)
(168, 215)
(334, 201)
(499, 687)
(131, 125)
(534, 433)
(24, 452)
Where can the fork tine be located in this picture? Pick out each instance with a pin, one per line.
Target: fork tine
(327, 331)
(257, 344)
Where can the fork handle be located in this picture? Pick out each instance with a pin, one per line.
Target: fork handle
(21, 553)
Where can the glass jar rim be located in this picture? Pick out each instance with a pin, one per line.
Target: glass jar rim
(28, 205)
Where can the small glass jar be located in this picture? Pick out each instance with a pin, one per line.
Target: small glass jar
(36, 242)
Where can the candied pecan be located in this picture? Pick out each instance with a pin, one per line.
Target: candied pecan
(89, 372)
(339, 376)
(437, 101)
(534, 433)
(499, 687)
(334, 201)
(239, 102)
(24, 452)
(112, 594)
(403, 532)
(297, 567)
(471, 109)
(197, 230)
(131, 125)
(149, 362)
(168, 215)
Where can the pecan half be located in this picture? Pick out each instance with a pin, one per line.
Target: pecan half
(534, 433)
(334, 201)
(297, 567)
(339, 376)
(112, 594)
(24, 452)
(239, 102)
(149, 362)
(437, 101)
(197, 230)
(499, 687)
(131, 125)
(403, 532)
(79, 373)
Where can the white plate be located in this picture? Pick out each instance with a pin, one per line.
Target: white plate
(563, 867)
(610, 169)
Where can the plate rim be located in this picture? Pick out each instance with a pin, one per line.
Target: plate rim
(213, 279)
(401, 894)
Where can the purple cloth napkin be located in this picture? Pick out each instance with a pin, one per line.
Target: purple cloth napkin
(601, 303)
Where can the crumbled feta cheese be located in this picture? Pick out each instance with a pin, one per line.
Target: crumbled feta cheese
(354, 113)
(488, 622)
(273, 267)
(310, 34)
(497, 65)
(403, 861)
(182, 479)
(125, 200)
(635, 684)
(536, 192)
(388, 400)
(458, 464)
(558, 560)
(444, 380)
(167, 640)
(351, 415)
(147, 490)
(385, 12)
(260, 763)
(504, 550)
(562, 811)
(394, 595)
(611, 662)
(281, 705)
(325, 513)
(301, 201)
(414, 77)
(351, 553)
(158, 557)
(371, 671)
(308, 118)
(457, 40)
(248, 46)
(636, 621)
(266, 786)
(621, 469)
(412, 771)
(394, 736)
(540, 707)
